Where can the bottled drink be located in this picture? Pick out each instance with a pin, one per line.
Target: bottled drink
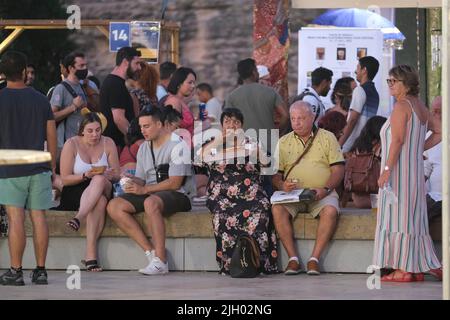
(201, 110)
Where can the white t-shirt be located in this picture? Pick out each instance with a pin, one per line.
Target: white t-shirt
(160, 92)
(357, 104)
(214, 108)
(315, 102)
(433, 170)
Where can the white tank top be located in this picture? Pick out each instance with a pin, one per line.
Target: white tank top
(81, 167)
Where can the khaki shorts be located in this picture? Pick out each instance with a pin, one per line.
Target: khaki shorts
(314, 208)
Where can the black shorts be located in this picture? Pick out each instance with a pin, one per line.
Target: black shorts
(173, 201)
(71, 195)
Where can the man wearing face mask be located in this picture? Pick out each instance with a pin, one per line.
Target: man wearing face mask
(115, 100)
(68, 97)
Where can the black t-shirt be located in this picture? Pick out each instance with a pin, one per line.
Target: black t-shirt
(114, 94)
(23, 125)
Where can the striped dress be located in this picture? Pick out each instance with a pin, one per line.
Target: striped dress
(402, 239)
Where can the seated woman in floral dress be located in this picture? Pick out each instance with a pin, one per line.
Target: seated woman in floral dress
(236, 197)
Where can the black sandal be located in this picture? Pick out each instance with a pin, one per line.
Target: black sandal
(74, 224)
(92, 266)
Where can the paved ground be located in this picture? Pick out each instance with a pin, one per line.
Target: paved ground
(212, 286)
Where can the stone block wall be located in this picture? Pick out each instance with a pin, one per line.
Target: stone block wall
(215, 35)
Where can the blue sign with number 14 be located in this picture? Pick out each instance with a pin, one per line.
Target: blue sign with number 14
(119, 35)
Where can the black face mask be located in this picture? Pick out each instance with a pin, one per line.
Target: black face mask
(81, 74)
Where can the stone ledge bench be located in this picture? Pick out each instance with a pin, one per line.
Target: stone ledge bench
(191, 246)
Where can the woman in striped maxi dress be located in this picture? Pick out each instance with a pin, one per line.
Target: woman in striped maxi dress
(402, 239)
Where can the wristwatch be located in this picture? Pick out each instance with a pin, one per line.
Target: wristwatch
(328, 190)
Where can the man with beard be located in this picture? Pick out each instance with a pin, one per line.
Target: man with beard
(365, 101)
(68, 98)
(321, 79)
(115, 100)
(31, 75)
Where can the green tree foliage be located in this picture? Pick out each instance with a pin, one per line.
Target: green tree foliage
(44, 48)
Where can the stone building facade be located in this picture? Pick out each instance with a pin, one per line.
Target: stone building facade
(214, 35)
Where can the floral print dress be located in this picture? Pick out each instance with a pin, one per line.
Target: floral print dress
(239, 204)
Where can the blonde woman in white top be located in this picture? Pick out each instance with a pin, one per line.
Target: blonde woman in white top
(89, 165)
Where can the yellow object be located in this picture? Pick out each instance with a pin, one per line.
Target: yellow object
(314, 169)
(103, 120)
(12, 157)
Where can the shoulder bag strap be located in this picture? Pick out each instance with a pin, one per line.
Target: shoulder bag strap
(153, 154)
(70, 89)
(302, 155)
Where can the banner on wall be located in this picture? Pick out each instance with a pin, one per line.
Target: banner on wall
(337, 49)
(145, 37)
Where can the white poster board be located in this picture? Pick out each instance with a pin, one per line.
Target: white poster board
(337, 49)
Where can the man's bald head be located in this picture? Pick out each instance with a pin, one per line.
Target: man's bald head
(302, 118)
(302, 106)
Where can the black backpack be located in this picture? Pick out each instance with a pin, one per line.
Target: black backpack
(305, 93)
(245, 260)
(300, 97)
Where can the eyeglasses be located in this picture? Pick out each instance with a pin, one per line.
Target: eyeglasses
(392, 81)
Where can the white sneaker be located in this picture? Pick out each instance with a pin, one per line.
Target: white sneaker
(156, 266)
(151, 256)
(200, 200)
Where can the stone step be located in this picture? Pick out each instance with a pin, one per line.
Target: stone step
(353, 224)
(191, 246)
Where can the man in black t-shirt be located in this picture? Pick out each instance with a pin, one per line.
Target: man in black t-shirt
(115, 100)
(26, 121)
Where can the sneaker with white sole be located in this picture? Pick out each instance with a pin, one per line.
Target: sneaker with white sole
(293, 268)
(313, 267)
(199, 201)
(155, 267)
(150, 256)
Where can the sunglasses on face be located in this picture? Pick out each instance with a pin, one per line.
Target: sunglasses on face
(392, 81)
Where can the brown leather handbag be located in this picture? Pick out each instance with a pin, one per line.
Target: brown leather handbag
(93, 97)
(362, 170)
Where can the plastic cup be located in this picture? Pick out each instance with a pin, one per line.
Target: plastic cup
(374, 200)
